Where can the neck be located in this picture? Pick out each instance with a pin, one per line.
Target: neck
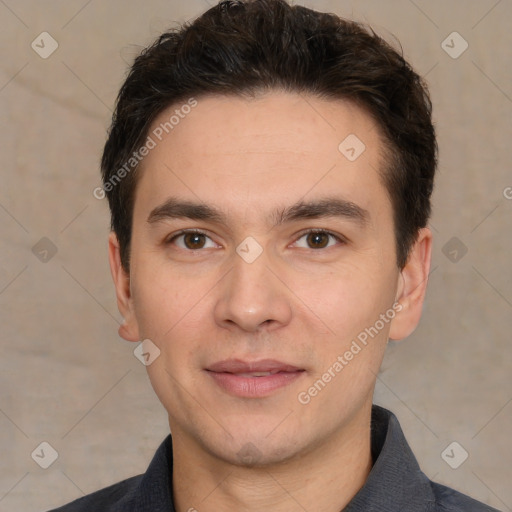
(325, 478)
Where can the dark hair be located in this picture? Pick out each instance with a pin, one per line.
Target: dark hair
(242, 47)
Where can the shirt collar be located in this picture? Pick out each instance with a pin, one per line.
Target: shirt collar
(395, 482)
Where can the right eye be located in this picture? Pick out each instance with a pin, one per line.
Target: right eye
(191, 240)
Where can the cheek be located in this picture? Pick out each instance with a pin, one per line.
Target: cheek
(348, 300)
(162, 299)
(175, 313)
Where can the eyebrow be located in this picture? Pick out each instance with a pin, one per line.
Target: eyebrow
(174, 208)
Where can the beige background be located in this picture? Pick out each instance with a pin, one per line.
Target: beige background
(68, 379)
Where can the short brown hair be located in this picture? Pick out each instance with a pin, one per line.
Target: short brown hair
(242, 47)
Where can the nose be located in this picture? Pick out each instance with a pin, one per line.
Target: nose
(252, 297)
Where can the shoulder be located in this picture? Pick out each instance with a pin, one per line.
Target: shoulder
(151, 490)
(114, 498)
(449, 500)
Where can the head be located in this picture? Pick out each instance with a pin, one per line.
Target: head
(247, 48)
(247, 127)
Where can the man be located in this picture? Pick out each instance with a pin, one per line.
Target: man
(269, 172)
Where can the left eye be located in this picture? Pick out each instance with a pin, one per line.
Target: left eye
(318, 239)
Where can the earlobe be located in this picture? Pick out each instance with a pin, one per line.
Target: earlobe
(412, 287)
(129, 328)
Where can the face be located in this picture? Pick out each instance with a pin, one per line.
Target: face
(263, 267)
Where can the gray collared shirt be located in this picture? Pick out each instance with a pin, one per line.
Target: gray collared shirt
(395, 483)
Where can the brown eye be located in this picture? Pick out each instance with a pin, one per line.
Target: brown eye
(318, 240)
(191, 240)
(194, 240)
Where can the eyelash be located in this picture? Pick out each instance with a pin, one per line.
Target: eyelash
(304, 233)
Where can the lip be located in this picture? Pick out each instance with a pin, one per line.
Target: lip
(232, 376)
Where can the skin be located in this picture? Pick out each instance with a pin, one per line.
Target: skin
(302, 301)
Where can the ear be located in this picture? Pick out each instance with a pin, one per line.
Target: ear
(129, 329)
(412, 286)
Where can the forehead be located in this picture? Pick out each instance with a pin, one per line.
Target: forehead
(276, 146)
(277, 119)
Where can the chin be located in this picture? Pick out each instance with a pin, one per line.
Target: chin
(255, 454)
(255, 448)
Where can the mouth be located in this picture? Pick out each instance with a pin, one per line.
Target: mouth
(254, 379)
